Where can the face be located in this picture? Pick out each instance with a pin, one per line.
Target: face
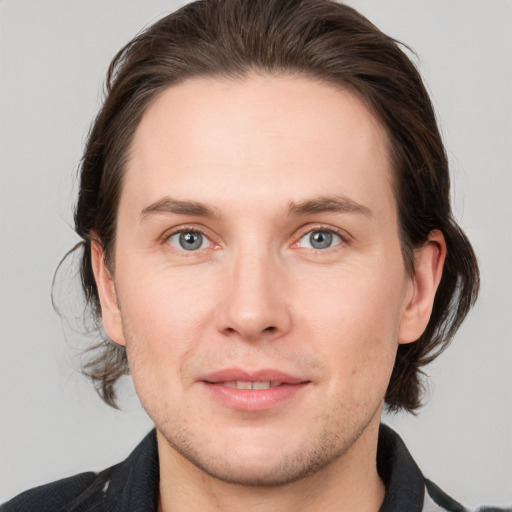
(258, 281)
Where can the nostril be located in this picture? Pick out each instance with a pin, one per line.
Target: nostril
(269, 329)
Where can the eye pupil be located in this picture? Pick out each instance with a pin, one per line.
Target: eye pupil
(320, 239)
(190, 240)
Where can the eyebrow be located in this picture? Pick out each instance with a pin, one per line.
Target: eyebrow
(336, 204)
(167, 205)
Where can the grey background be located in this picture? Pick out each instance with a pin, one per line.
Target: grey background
(53, 57)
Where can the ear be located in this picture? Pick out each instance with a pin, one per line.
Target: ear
(428, 269)
(110, 312)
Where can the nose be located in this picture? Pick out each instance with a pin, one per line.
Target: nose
(254, 305)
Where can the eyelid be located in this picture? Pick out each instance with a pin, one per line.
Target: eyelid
(305, 230)
(187, 228)
(345, 237)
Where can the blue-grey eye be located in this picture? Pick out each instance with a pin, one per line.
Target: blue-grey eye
(188, 240)
(319, 239)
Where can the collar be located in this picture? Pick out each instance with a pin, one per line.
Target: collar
(134, 486)
(405, 484)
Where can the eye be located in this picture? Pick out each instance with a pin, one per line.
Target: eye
(188, 240)
(319, 239)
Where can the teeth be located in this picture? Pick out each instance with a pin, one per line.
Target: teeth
(261, 385)
(239, 384)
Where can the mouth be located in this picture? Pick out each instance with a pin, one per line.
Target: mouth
(240, 384)
(253, 391)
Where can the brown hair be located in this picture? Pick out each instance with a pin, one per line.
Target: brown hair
(320, 39)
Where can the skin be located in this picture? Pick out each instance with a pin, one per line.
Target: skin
(262, 154)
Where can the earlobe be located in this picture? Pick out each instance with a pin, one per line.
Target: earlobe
(110, 312)
(428, 269)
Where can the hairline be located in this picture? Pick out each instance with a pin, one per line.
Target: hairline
(250, 72)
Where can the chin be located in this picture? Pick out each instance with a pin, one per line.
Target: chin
(277, 473)
(269, 466)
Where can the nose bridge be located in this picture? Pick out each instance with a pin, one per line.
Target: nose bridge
(255, 304)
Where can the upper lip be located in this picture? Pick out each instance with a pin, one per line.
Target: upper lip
(264, 375)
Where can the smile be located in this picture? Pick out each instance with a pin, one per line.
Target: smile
(253, 391)
(239, 384)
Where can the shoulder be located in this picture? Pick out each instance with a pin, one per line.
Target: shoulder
(62, 494)
(406, 486)
(130, 485)
(436, 500)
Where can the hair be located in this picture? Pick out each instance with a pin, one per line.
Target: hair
(319, 39)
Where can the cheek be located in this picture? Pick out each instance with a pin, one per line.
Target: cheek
(162, 327)
(358, 303)
(355, 321)
(164, 316)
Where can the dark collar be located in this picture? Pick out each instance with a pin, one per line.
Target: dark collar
(405, 484)
(134, 484)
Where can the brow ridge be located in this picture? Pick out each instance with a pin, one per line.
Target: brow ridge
(168, 205)
(336, 204)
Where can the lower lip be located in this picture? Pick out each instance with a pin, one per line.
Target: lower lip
(254, 400)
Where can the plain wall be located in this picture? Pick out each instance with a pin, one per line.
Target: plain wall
(53, 58)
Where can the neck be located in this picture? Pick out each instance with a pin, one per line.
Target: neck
(350, 482)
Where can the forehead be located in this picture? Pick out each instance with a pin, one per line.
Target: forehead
(264, 138)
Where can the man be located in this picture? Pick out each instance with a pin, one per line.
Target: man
(267, 238)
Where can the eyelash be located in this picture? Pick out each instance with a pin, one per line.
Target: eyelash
(185, 229)
(344, 238)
